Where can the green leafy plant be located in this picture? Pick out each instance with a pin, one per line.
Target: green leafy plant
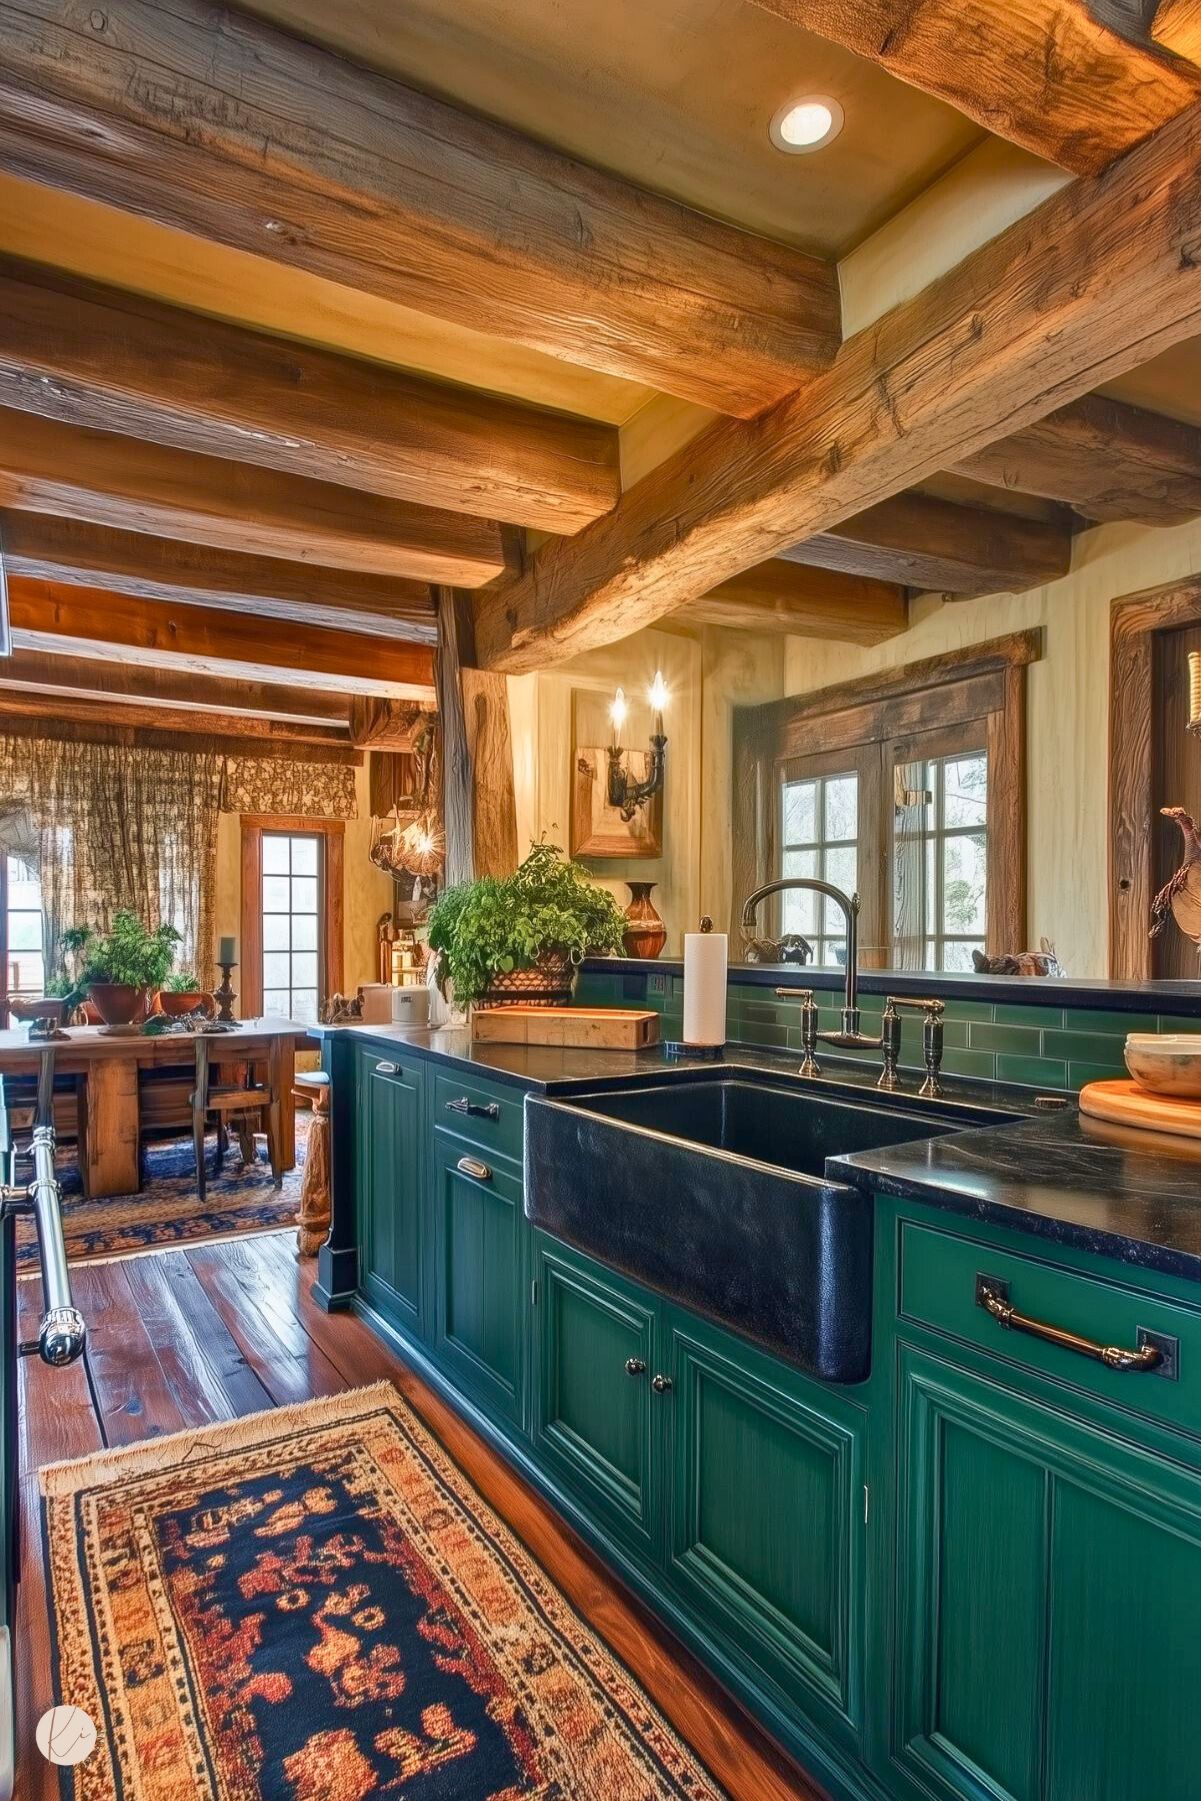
(182, 981)
(130, 955)
(483, 929)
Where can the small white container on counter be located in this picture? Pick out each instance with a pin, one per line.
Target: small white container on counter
(411, 1008)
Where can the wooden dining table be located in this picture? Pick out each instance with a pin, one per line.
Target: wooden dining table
(109, 1069)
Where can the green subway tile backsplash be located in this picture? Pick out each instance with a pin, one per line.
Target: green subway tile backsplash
(1039, 1047)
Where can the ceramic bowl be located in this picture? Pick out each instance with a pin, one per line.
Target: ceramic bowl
(1166, 1063)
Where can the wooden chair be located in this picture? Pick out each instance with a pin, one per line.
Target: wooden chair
(234, 1104)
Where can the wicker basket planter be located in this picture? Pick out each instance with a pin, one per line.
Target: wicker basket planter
(549, 983)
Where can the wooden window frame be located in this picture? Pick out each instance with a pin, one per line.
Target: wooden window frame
(1135, 620)
(982, 684)
(250, 971)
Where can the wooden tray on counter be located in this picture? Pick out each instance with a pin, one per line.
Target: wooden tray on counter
(1124, 1103)
(572, 1028)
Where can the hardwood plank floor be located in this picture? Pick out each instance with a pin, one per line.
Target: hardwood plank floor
(184, 1337)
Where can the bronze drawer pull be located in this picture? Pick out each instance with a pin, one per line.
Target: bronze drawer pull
(471, 1166)
(387, 1069)
(473, 1110)
(994, 1298)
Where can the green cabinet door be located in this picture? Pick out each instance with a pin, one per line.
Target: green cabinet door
(481, 1293)
(390, 1183)
(1049, 1593)
(767, 1512)
(596, 1416)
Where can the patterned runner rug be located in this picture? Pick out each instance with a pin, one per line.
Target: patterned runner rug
(316, 1605)
(167, 1209)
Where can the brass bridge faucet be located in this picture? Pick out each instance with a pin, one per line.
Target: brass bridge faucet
(849, 1036)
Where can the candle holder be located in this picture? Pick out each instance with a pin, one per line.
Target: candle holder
(226, 995)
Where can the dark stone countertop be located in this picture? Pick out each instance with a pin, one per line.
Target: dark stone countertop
(1133, 1196)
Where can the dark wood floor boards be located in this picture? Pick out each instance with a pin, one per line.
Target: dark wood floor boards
(212, 1332)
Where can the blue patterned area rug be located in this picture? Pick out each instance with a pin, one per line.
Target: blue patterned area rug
(167, 1210)
(315, 1604)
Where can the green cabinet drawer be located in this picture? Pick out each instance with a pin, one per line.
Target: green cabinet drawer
(938, 1284)
(481, 1292)
(597, 1420)
(1049, 1590)
(767, 1512)
(390, 1186)
(488, 1115)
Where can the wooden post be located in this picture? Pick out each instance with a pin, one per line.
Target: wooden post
(479, 808)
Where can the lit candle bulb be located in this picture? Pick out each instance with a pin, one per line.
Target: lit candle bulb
(618, 714)
(658, 697)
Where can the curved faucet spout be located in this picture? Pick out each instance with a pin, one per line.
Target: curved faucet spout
(850, 909)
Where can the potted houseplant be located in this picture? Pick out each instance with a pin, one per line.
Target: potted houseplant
(521, 938)
(121, 968)
(181, 994)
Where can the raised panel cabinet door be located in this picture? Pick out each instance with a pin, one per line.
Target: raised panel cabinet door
(481, 1297)
(392, 1204)
(767, 1512)
(595, 1411)
(1049, 1607)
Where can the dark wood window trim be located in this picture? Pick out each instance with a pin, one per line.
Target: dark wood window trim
(983, 684)
(249, 976)
(1134, 622)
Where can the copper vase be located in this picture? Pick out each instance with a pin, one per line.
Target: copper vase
(645, 933)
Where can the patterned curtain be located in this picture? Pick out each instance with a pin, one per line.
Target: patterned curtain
(121, 827)
(278, 785)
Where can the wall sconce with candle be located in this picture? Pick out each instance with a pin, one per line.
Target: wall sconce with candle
(625, 794)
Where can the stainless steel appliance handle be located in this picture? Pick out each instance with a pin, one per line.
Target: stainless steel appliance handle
(62, 1332)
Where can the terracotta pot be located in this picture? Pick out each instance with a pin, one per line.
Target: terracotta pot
(117, 1003)
(645, 933)
(550, 983)
(177, 1003)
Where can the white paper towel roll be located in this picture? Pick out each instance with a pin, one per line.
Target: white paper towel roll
(705, 955)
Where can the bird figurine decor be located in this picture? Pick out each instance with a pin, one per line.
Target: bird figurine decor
(1180, 896)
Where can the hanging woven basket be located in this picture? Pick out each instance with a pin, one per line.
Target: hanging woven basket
(550, 982)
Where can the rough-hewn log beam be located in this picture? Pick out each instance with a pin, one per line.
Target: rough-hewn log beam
(1176, 26)
(1046, 74)
(112, 480)
(386, 725)
(91, 355)
(923, 542)
(72, 729)
(1100, 278)
(95, 556)
(1106, 459)
(807, 603)
(220, 124)
(91, 622)
(479, 808)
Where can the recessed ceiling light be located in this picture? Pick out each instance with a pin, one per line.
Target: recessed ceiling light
(804, 125)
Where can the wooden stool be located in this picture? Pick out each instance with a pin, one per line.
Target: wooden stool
(314, 1215)
(241, 1104)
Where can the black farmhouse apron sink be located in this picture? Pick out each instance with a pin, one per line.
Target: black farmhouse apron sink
(712, 1192)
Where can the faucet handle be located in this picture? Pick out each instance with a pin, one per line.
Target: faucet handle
(927, 1004)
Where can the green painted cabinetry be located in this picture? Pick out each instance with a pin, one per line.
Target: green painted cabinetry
(479, 1258)
(391, 1206)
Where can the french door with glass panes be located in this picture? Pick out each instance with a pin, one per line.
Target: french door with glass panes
(828, 825)
(939, 876)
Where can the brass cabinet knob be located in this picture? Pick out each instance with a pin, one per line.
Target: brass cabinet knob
(660, 1384)
(635, 1366)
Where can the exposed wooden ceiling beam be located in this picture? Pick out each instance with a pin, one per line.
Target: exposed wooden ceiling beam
(927, 543)
(95, 356)
(112, 480)
(808, 603)
(1046, 74)
(386, 724)
(95, 556)
(93, 622)
(220, 124)
(1102, 277)
(31, 680)
(1176, 26)
(70, 728)
(1106, 459)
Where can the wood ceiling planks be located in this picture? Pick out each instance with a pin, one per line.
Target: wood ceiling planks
(112, 480)
(92, 355)
(1047, 74)
(221, 125)
(1102, 276)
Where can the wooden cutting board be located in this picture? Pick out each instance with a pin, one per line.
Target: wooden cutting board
(579, 1028)
(1125, 1103)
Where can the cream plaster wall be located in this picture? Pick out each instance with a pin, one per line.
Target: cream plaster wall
(1067, 723)
(367, 891)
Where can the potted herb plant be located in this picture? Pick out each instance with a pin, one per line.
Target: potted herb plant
(521, 938)
(121, 968)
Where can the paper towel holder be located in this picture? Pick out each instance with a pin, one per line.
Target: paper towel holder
(707, 1053)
